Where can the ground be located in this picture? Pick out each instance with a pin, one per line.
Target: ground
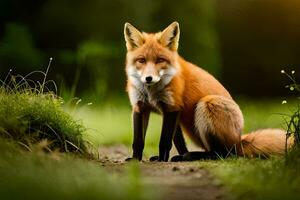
(176, 181)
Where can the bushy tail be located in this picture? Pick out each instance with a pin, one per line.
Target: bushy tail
(264, 143)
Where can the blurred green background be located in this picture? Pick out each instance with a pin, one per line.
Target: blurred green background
(244, 44)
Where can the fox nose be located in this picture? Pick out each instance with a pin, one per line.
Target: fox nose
(148, 79)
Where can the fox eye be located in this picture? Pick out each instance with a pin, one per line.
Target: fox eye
(160, 60)
(141, 60)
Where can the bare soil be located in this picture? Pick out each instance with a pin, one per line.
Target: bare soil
(176, 181)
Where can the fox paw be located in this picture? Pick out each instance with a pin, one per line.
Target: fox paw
(154, 158)
(177, 158)
(129, 159)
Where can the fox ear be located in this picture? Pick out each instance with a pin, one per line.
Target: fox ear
(170, 36)
(133, 37)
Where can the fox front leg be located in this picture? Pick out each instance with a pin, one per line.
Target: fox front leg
(140, 124)
(170, 124)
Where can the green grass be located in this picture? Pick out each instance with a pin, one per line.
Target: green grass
(257, 179)
(30, 117)
(37, 175)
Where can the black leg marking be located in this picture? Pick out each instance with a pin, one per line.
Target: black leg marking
(177, 158)
(199, 155)
(140, 123)
(196, 155)
(179, 142)
(170, 121)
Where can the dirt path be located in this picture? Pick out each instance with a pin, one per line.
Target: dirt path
(184, 180)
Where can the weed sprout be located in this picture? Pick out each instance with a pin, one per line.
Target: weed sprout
(293, 121)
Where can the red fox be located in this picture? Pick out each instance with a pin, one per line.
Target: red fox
(190, 100)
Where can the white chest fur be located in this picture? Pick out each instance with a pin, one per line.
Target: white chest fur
(153, 95)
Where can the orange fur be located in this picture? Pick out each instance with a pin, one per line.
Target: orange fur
(265, 142)
(208, 112)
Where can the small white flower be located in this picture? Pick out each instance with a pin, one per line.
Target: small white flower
(284, 102)
(282, 71)
(292, 88)
(293, 72)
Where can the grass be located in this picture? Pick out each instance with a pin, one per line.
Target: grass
(30, 117)
(257, 179)
(30, 112)
(37, 175)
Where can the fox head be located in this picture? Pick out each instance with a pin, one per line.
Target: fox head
(151, 57)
